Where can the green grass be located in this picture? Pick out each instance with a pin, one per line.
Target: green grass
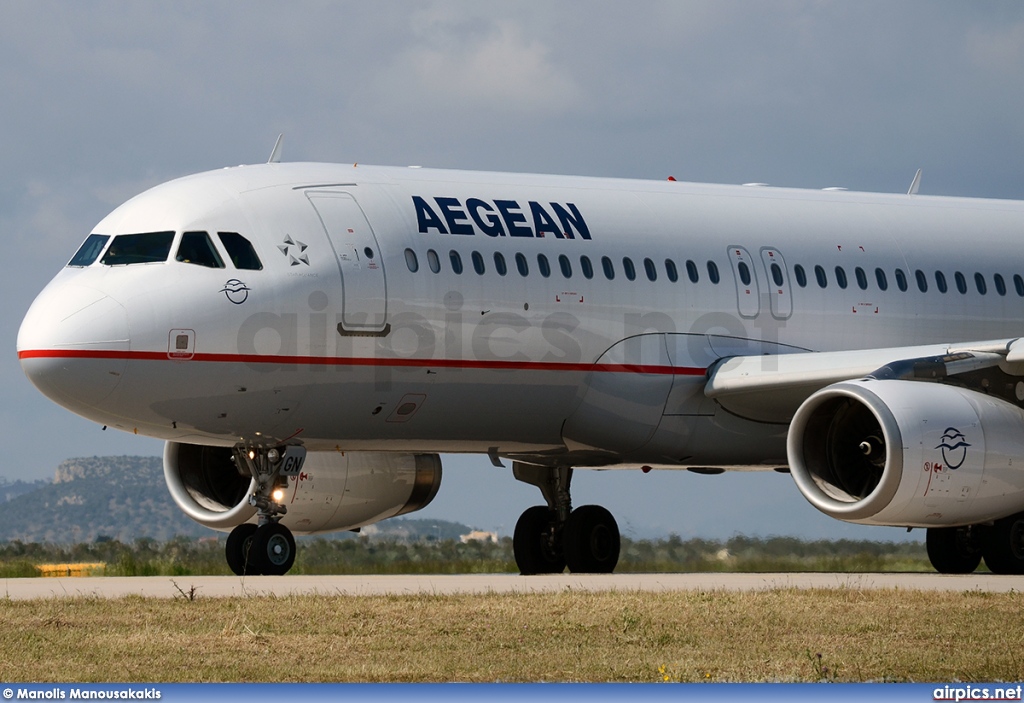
(184, 557)
(841, 634)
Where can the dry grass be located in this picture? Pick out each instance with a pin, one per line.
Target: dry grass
(571, 636)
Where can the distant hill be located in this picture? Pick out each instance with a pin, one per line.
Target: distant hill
(10, 490)
(125, 498)
(120, 497)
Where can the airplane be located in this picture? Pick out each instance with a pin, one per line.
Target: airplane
(307, 338)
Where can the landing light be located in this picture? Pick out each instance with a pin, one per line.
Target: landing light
(277, 495)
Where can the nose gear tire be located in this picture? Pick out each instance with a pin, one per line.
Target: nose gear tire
(239, 550)
(273, 547)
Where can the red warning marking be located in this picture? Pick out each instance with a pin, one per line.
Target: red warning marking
(932, 469)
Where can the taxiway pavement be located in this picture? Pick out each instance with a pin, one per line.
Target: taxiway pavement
(234, 586)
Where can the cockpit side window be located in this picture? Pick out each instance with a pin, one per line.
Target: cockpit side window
(243, 256)
(146, 248)
(89, 250)
(197, 248)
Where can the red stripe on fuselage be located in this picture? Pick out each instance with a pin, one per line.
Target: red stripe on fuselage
(358, 361)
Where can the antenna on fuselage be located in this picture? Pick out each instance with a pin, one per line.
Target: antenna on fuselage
(915, 184)
(275, 155)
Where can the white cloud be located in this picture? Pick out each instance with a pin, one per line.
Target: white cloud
(493, 68)
(999, 49)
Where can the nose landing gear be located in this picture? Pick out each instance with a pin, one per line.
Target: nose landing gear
(267, 548)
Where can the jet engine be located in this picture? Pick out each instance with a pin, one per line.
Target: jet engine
(334, 491)
(908, 453)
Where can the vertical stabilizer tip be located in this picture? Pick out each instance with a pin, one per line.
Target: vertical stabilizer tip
(275, 155)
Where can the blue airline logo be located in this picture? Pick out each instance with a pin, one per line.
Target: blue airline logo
(500, 218)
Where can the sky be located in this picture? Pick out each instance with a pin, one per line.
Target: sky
(102, 100)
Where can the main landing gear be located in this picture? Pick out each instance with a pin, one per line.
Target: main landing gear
(267, 548)
(959, 550)
(550, 537)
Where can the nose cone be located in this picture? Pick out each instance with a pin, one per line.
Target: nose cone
(73, 345)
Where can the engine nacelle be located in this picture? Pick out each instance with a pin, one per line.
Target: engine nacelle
(908, 453)
(335, 491)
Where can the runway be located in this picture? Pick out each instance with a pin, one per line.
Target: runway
(252, 586)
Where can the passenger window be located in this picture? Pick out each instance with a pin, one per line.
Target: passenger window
(628, 268)
(563, 263)
(883, 284)
(478, 262)
(543, 265)
(979, 282)
(670, 270)
(713, 272)
(609, 269)
(940, 281)
(1018, 283)
(146, 248)
(744, 272)
(961, 282)
(901, 280)
(522, 265)
(456, 260)
(819, 275)
(777, 274)
(691, 271)
(433, 261)
(841, 277)
(586, 267)
(240, 251)
(410, 260)
(801, 276)
(90, 249)
(862, 278)
(922, 281)
(651, 270)
(1000, 284)
(499, 263)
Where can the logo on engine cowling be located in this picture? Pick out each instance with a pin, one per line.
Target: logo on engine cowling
(954, 448)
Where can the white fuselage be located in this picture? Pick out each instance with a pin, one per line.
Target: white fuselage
(337, 341)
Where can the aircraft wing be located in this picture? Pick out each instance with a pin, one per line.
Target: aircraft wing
(771, 388)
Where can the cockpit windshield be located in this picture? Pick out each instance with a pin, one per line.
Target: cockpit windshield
(243, 256)
(196, 248)
(89, 250)
(145, 248)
